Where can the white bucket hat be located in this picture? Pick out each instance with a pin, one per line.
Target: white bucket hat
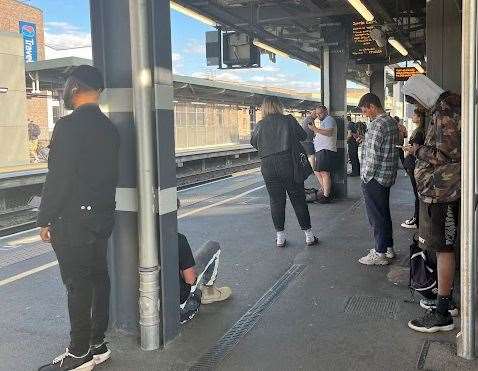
(423, 90)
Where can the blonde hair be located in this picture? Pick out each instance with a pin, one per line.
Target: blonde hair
(271, 106)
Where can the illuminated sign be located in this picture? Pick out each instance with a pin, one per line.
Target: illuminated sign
(404, 73)
(29, 32)
(363, 48)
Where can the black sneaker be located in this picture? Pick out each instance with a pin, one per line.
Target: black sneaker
(323, 199)
(189, 309)
(431, 322)
(432, 305)
(100, 353)
(68, 361)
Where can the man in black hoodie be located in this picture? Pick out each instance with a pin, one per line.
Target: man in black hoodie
(77, 215)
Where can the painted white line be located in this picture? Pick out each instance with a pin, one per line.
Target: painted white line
(8, 237)
(195, 211)
(204, 184)
(27, 273)
(52, 264)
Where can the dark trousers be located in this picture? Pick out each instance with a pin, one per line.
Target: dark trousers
(84, 272)
(353, 157)
(417, 200)
(377, 204)
(278, 173)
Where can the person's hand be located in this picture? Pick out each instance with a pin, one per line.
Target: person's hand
(313, 114)
(45, 234)
(410, 149)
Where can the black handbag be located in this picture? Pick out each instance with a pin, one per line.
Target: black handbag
(302, 168)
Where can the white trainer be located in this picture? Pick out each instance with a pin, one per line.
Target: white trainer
(390, 254)
(374, 258)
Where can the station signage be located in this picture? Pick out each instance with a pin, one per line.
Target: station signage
(404, 73)
(363, 48)
(28, 31)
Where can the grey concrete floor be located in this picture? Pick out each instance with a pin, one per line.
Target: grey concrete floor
(311, 325)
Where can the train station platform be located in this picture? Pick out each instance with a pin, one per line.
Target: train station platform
(296, 308)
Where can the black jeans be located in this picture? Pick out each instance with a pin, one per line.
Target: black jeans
(84, 272)
(278, 173)
(377, 204)
(353, 156)
(416, 215)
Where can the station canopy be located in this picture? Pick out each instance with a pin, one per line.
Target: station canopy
(300, 28)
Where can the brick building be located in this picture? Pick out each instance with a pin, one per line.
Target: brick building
(12, 12)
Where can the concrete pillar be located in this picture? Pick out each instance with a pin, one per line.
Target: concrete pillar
(377, 82)
(443, 35)
(112, 55)
(334, 91)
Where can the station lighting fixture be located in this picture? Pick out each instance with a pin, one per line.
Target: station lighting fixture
(191, 13)
(362, 9)
(397, 45)
(419, 67)
(3, 90)
(313, 67)
(269, 48)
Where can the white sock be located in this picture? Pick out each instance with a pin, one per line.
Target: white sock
(309, 235)
(280, 237)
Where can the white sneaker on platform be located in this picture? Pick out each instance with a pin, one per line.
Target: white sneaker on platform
(390, 254)
(374, 258)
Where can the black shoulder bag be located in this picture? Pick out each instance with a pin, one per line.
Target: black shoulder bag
(302, 168)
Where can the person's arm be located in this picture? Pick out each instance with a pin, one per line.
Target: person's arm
(374, 149)
(447, 149)
(299, 132)
(309, 120)
(255, 137)
(189, 276)
(61, 167)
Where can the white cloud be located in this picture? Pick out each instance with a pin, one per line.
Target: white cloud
(195, 46)
(176, 57)
(63, 39)
(79, 52)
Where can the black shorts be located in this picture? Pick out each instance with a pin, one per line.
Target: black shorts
(325, 160)
(439, 226)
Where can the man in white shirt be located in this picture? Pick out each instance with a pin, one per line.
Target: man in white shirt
(325, 144)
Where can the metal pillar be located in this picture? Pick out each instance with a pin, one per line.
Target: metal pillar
(148, 242)
(334, 92)
(466, 338)
(112, 54)
(166, 168)
(443, 34)
(377, 82)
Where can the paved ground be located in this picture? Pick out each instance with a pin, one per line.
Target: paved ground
(301, 308)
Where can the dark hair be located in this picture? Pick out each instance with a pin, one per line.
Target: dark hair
(322, 107)
(369, 99)
(420, 113)
(349, 118)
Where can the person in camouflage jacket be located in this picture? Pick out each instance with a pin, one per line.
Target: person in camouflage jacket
(438, 168)
(438, 177)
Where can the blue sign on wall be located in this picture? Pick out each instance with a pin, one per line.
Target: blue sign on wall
(29, 33)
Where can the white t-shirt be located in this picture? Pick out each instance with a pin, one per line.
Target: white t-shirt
(323, 141)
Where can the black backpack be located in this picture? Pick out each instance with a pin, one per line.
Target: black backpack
(423, 271)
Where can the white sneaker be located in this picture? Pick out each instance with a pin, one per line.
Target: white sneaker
(390, 254)
(410, 223)
(374, 258)
(280, 239)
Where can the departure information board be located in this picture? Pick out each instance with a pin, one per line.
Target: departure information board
(363, 48)
(404, 73)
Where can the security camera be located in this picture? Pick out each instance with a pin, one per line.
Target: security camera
(377, 35)
(368, 72)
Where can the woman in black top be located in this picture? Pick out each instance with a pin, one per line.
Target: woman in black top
(417, 137)
(274, 137)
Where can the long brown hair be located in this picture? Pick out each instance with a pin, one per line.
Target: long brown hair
(271, 106)
(420, 113)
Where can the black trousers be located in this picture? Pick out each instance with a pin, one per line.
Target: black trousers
(377, 203)
(84, 273)
(353, 157)
(278, 173)
(415, 192)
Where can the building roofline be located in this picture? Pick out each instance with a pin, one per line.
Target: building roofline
(28, 5)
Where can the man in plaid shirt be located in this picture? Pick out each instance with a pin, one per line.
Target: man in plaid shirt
(378, 174)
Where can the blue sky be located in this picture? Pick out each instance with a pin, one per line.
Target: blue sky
(67, 24)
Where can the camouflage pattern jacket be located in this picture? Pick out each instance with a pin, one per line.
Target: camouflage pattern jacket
(438, 168)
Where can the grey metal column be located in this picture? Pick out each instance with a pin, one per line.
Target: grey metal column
(143, 108)
(377, 82)
(163, 87)
(466, 338)
(112, 54)
(443, 34)
(334, 91)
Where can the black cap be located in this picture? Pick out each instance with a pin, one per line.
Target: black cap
(89, 76)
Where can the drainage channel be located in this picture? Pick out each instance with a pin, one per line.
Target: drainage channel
(231, 338)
